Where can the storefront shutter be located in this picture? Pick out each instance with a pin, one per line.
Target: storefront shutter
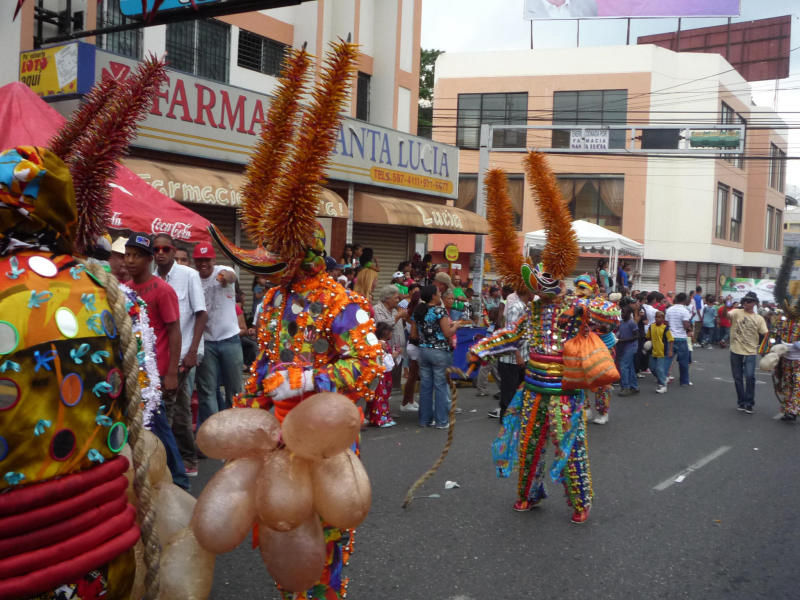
(651, 271)
(389, 244)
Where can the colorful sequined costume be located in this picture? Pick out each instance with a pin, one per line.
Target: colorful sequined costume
(541, 409)
(785, 329)
(313, 335)
(68, 366)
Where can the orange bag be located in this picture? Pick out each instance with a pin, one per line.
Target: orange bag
(588, 364)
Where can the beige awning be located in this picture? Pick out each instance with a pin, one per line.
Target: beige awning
(185, 183)
(387, 210)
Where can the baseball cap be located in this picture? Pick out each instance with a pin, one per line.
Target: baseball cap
(444, 278)
(398, 275)
(750, 296)
(331, 264)
(140, 240)
(119, 244)
(204, 250)
(342, 280)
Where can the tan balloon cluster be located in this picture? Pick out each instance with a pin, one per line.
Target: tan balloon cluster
(186, 568)
(285, 489)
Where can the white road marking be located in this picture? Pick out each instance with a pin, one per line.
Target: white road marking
(679, 477)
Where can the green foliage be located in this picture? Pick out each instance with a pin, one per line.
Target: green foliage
(427, 63)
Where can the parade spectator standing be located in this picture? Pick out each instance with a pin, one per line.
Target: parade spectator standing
(622, 278)
(182, 257)
(333, 268)
(222, 360)
(442, 282)
(678, 317)
(511, 365)
(747, 330)
(163, 313)
(192, 309)
(708, 333)
(399, 281)
(662, 341)
(386, 311)
(116, 261)
(602, 276)
(723, 335)
(627, 344)
(459, 299)
(696, 308)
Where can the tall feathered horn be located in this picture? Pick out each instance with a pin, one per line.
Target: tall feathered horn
(560, 254)
(505, 241)
(784, 274)
(62, 143)
(273, 146)
(93, 156)
(291, 215)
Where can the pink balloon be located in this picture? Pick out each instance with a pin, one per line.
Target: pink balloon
(321, 426)
(225, 511)
(174, 508)
(342, 492)
(186, 570)
(283, 491)
(295, 558)
(238, 432)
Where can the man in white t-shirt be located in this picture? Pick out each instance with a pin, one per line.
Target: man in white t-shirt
(222, 358)
(748, 329)
(192, 310)
(679, 318)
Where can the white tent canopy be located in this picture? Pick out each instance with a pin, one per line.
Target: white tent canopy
(594, 238)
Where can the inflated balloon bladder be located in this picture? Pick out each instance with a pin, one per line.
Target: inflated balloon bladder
(295, 558)
(226, 511)
(321, 426)
(157, 456)
(283, 492)
(186, 569)
(342, 492)
(236, 433)
(174, 508)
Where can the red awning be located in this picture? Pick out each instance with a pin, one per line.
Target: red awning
(135, 205)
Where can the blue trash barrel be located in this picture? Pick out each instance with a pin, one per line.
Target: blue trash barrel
(466, 337)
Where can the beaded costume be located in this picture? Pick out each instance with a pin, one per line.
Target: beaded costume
(785, 329)
(73, 371)
(541, 408)
(313, 335)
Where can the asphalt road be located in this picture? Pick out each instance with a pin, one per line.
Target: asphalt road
(692, 500)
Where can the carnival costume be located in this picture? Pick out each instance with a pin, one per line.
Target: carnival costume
(784, 340)
(541, 408)
(314, 336)
(76, 374)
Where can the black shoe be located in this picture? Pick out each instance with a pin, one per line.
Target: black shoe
(748, 410)
(497, 396)
(789, 418)
(740, 408)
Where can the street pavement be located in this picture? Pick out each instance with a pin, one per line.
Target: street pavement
(693, 499)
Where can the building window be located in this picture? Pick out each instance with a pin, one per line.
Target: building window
(468, 194)
(595, 199)
(126, 43)
(475, 110)
(728, 115)
(737, 203)
(777, 168)
(773, 228)
(590, 107)
(721, 216)
(200, 47)
(261, 54)
(362, 96)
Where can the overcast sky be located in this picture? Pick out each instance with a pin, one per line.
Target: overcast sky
(474, 25)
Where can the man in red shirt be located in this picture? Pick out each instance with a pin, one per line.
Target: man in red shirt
(164, 315)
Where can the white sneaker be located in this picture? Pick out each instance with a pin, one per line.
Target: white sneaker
(413, 407)
(600, 419)
(661, 389)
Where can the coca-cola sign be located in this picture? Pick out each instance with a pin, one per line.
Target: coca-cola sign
(178, 230)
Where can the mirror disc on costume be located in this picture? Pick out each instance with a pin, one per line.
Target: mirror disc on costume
(321, 346)
(9, 394)
(297, 308)
(362, 316)
(71, 389)
(372, 339)
(66, 322)
(109, 324)
(9, 337)
(287, 355)
(3, 448)
(277, 299)
(117, 437)
(44, 267)
(316, 308)
(292, 328)
(114, 379)
(63, 445)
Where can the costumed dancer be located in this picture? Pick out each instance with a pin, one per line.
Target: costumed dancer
(314, 337)
(77, 378)
(783, 342)
(541, 408)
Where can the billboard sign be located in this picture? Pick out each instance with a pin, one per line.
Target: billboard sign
(593, 9)
(197, 117)
(134, 8)
(739, 286)
(588, 139)
(55, 71)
